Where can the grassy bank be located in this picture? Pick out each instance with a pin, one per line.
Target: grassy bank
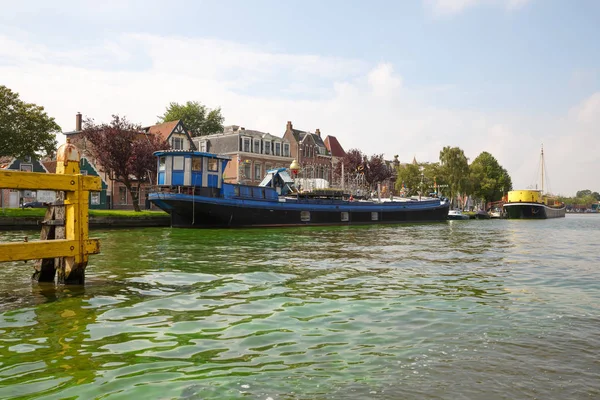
(40, 212)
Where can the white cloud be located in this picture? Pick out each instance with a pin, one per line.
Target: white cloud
(443, 8)
(366, 106)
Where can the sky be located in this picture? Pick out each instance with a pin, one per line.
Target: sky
(402, 78)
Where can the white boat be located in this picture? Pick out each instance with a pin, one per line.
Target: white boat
(457, 215)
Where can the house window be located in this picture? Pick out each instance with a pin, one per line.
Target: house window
(247, 145)
(267, 147)
(257, 172)
(268, 167)
(95, 198)
(27, 159)
(196, 163)
(83, 172)
(257, 146)
(277, 149)
(213, 164)
(203, 146)
(178, 163)
(247, 171)
(177, 143)
(286, 149)
(122, 195)
(162, 164)
(27, 167)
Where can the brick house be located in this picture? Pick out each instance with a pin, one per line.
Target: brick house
(117, 196)
(310, 152)
(252, 153)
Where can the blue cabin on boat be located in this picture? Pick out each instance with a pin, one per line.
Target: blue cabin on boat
(190, 168)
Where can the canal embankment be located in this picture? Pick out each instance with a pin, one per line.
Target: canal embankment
(15, 219)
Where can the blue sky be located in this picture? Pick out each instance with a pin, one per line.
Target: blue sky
(393, 77)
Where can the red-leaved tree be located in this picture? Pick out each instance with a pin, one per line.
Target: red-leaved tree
(377, 171)
(125, 152)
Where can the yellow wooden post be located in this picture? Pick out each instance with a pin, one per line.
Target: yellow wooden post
(71, 247)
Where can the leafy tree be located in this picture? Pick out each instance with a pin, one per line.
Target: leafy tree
(583, 193)
(376, 170)
(408, 175)
(25, 128)
(489, 179)
(596, 195)
(455, 168)
(199, 119)
(125, 152)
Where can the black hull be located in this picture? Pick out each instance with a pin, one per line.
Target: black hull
(533, 211)
(188, 214)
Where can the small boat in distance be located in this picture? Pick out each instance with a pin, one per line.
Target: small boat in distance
(192, 190)
(533, 204)
(457, 215)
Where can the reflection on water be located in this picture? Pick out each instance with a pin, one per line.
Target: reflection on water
(478, 309)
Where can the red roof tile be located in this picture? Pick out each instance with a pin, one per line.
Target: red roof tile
(334, 147)
(164, 129)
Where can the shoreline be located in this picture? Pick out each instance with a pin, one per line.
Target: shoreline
(95, 222)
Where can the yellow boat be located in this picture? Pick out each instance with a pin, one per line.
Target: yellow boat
(533, 204)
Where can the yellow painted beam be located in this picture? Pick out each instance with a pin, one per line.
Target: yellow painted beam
(42, 181)
(22, 251)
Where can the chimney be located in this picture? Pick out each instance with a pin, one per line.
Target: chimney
(318, 132)
(78, 122)
(289, 126)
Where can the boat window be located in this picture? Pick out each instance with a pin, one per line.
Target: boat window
(162, 164)
(178, 163)
(213, 164)
(197, 163)
(374, 216)
(305, 216)
(236, 190)
(344, 216)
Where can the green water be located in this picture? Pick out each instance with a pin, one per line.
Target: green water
(497, 309)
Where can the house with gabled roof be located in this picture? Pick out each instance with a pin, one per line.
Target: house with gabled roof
(311, 153)
(174, 132)
(13, 198)
(252, 152)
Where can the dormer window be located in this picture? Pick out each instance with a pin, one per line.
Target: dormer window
(246, 147)
(267, 147)
(203, 146)
(177, 143)
(277, 148)
(257, 146)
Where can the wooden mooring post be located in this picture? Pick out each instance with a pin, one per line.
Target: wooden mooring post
(64, 246)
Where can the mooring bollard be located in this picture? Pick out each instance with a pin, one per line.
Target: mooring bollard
(64, 244)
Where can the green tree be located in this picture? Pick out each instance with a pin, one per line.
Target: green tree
(196, 117)
(408, 175)
(583, 193)
(25, 128)
(489, 179)
(455, 169)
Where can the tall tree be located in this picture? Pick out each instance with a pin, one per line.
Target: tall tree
(455, 167)
(489, 179)
(125, 152)
(25, 128)
(198, 118)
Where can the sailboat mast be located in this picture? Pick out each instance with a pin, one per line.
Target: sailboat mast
(542, 168)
